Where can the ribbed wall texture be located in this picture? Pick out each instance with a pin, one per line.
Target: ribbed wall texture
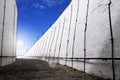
(8, 24)
(86, 37)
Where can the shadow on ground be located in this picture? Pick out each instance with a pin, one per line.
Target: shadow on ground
(29, 69)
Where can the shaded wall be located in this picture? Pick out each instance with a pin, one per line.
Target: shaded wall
(8, 23)
(86, 37)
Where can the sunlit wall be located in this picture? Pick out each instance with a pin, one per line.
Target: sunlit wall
(8, 23)
(86, 37)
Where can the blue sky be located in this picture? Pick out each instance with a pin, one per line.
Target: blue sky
(35, 18)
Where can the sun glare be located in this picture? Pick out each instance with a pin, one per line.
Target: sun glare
(20, 44)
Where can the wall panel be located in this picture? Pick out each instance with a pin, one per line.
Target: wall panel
(85, 37)
(8, 25)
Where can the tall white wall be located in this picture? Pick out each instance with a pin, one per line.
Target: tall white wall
(8, 24)
(86, 37)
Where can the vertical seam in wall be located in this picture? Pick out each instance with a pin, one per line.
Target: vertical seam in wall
(68, 36)
(37, 50)
(45, 46)
(52, 40)
(74, 37)
(48, 43)
(42, 47)
(112, 39)
(61, 40)
(56, 40)
(3, 30)
(42, 44)
(42, 50)
(85, 34)
(13, 33)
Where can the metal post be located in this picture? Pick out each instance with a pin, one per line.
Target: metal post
(68, 36)
(48, 43)
(56, 40)
(45, 47)
(52, 41)
(85, 34)
(39, 49)
(61, 40)
(74, 37)
(112, 39)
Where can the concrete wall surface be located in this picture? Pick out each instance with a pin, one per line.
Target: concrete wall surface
(86, 37)
(8, 24)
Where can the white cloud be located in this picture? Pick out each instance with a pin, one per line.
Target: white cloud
(61, 1)
(41, 7)
(35, 5)
(53, 2)
(38, 5)
(50, 2)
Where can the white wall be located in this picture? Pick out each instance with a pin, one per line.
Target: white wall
(8, 24)
(68, 39)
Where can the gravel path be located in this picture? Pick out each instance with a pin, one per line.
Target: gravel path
(27, 69)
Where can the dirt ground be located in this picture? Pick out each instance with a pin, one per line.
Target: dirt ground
(27, 69)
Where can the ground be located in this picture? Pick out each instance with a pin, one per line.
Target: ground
(30, 69)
